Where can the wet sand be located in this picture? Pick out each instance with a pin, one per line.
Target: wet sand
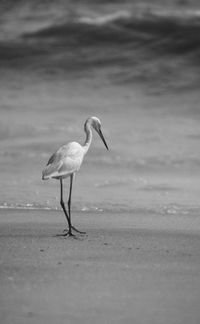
(129, 268)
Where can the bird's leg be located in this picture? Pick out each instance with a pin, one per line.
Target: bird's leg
(69, 231)
(70, 194)
(69, 204)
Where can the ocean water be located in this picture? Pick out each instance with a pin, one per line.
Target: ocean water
(135, 65)
(130, 42)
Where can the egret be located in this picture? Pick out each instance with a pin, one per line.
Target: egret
(66, 161)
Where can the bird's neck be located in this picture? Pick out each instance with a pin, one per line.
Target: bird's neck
(88, 139)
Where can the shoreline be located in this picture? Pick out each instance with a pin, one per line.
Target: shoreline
(135, 219)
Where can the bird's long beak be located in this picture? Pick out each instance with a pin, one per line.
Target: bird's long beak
(103, 139)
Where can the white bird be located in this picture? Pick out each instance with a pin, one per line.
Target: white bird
(67, 160)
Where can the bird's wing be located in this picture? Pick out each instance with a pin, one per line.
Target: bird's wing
(66, 160)
(54, 163)
(54, 158)
(51, 169)
(72, 157)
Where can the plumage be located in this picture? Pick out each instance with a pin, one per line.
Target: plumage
(67, 160)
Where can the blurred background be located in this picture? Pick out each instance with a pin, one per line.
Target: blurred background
(133, 64)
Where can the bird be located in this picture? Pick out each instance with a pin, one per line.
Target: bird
(66, 161)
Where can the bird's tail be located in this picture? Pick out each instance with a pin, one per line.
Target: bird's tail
(51, 170)
(45, 175)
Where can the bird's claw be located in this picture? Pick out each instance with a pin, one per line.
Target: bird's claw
(75, 229)
(80, 232)
(66, 232)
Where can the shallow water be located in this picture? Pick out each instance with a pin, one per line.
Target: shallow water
(137, 70)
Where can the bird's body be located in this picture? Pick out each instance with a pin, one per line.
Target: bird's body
(66, 161)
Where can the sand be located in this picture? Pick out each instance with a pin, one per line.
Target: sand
(128, 268)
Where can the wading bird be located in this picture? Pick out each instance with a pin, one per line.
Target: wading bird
(66, 161)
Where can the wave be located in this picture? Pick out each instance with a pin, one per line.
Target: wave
(26, 206)
(125, 28)
(159, 209)
(138, 45)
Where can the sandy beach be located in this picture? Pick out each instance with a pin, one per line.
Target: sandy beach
(128, 268)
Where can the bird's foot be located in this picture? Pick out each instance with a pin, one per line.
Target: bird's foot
(75, 229)
(68, 233)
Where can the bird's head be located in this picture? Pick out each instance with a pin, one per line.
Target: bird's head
(96, 124)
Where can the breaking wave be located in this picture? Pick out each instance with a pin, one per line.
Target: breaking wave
(132, 43)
